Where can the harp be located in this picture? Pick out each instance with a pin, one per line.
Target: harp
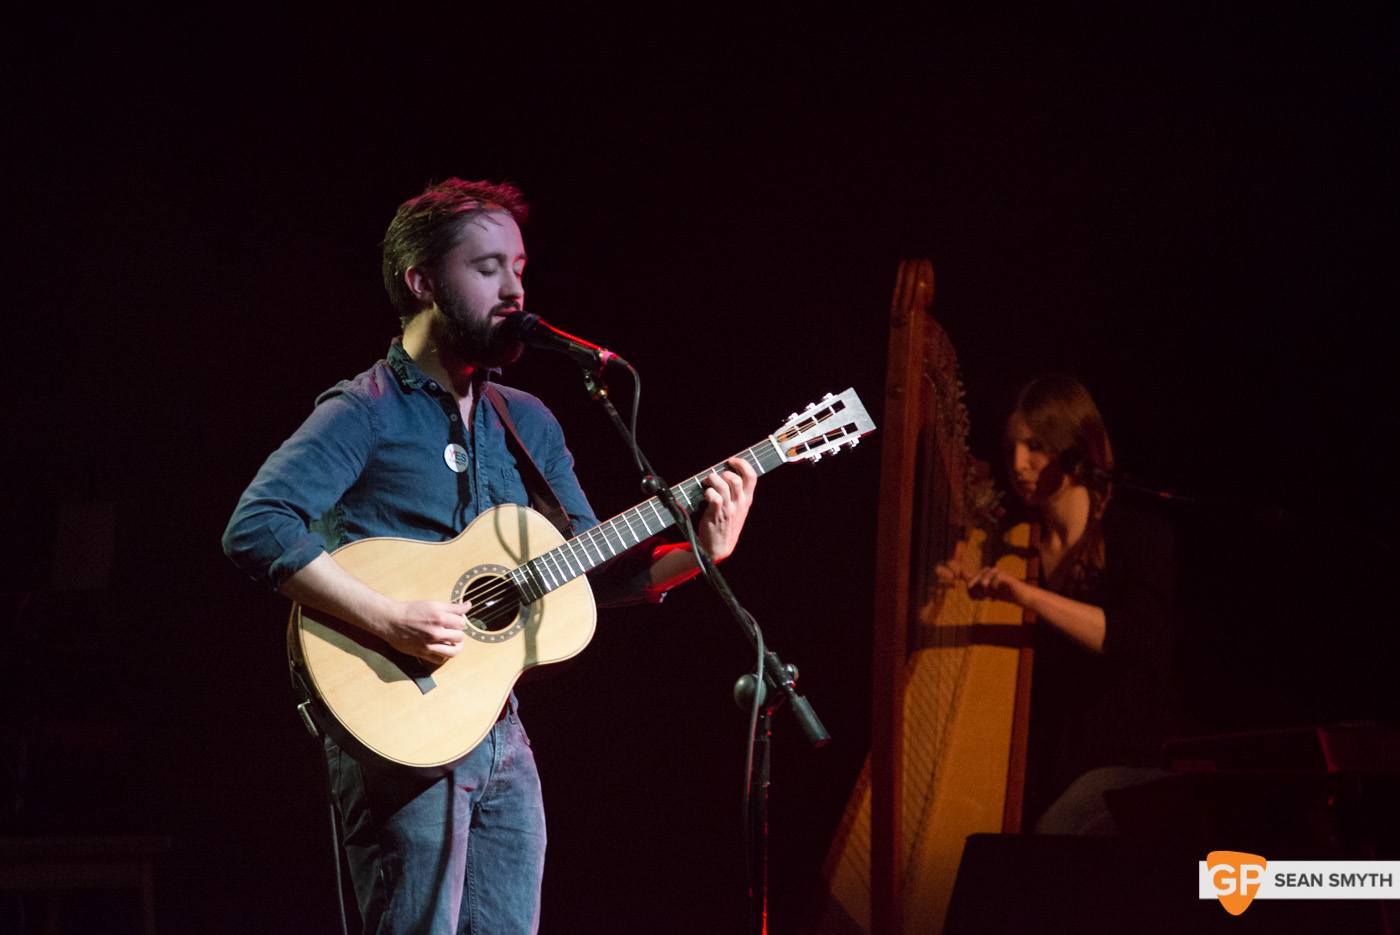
(951, 676)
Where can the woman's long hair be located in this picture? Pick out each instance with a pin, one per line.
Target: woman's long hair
(1062, 415)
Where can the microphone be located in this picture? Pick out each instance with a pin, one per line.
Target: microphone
(533, 331)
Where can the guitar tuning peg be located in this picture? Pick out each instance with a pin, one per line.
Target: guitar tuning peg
(852, 443)
(827, 396)
(816, 456)
(792, 417)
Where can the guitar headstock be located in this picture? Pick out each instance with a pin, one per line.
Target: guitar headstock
(824, 427)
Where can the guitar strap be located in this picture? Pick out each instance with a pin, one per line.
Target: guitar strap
(542, 496)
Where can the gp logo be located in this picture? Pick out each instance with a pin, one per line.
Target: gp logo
(1236, 877)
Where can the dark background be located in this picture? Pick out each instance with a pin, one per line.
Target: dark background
(1192, 211)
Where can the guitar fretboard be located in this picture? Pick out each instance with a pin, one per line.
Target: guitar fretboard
(607, 540)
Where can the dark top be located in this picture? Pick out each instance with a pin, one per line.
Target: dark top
(386, 454)
(1117, 708)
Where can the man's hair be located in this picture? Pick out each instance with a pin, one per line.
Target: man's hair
(427, 226)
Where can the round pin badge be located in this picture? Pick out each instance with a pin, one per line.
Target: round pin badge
(456, 457)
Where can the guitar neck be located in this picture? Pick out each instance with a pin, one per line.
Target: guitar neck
(609, 539)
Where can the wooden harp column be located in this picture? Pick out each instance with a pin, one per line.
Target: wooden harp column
(951, 677)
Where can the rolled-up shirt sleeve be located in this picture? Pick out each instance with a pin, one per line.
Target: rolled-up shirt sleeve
(273, 531)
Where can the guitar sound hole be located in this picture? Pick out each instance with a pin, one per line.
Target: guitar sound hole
(495, 604)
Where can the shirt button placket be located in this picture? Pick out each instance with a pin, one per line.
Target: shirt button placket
(456, 434)
(479, 460)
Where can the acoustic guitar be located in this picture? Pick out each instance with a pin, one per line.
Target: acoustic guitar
(531, 605)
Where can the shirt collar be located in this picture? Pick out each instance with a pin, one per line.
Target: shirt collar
(409, 373)
(412, 377)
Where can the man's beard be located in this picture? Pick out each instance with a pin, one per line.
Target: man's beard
(477, 340)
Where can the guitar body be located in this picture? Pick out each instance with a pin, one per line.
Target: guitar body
(414, 713)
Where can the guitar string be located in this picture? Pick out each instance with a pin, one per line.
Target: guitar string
(593, 541)
(589, 539)
(753, 455)
(506, 584)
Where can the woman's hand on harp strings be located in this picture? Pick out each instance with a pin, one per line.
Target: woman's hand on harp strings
(957, 569)
(995, 584)
(982, 583)
(1084, 623)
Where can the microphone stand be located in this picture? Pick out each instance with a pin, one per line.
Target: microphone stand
(779, 680)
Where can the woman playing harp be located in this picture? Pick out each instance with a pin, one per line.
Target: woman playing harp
(1101, 699)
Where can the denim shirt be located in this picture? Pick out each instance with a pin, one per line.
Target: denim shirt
(372, 459)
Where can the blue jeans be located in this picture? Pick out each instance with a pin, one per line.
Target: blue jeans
(462, 853)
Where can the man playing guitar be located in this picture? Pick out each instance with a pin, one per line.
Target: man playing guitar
(406, 450)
